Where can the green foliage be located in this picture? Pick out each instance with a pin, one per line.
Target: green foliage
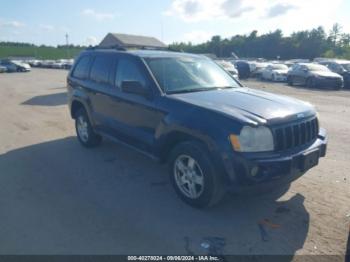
(306, 44)
(10, 49)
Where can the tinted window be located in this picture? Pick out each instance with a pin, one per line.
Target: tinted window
(82, 68)
(128, 70)
(101, 68)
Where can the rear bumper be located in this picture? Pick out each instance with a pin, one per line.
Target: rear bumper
(253, 171)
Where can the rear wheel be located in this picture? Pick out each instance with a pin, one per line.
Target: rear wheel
(339, 87)
(193, 175)
(86, 135)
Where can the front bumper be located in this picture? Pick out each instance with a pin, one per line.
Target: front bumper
(249, 171)
(347, 81)
(329, 82)
(281, 78)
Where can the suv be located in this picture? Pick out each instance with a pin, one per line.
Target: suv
(186, 111)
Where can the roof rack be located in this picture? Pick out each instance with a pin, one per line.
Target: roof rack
(116, 47)
(126, 48)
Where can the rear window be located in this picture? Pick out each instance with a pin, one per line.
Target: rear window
(81, 70)
(101, 69)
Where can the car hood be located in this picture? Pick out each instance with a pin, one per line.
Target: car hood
(325, 74)
(250, 106)
(24, 65)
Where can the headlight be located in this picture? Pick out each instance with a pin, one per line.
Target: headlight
(253, 139)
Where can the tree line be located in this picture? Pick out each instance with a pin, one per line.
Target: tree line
(306, 44)
(19, 44)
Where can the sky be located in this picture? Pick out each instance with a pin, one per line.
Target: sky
(87, 22)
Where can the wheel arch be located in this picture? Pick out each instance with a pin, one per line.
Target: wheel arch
(75, 107)
(174, 138)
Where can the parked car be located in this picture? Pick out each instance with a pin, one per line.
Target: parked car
(58, 64)
(185, 110)
(229, 67)
(341, 67)
(256, 68)
(35, 63)
(243, 69)
(47, 63)
(15, 66)
(22, 66)
(314, 75)
(275, 72)
(68, 63)
(3, 69)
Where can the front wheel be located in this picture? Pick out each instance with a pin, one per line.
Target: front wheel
(86, 135)
(193, 175)
(290, 81)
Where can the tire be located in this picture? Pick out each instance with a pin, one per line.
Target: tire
(338, 88)
(190, 166)
(310, 83)
(85, 133)
(273, 78)
(290, 81)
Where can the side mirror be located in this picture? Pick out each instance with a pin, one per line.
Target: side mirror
(135, 87)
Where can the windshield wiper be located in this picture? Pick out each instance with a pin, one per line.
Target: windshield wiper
(192, 90)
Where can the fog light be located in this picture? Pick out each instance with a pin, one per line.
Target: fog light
(254, 171)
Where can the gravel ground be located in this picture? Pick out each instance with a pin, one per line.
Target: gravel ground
(59, 198)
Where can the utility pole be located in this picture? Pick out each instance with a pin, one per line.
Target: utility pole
(67, 45)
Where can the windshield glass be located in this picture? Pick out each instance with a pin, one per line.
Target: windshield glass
(279, 67)
(346, 67)
(317, 67)
(189, 74)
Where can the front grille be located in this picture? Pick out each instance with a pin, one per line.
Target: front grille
(294, 135)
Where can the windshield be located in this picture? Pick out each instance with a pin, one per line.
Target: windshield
(279, 67)
(346, 67)
(189, 74)
(317, 68)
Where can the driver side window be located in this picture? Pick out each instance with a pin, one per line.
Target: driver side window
(128, 70)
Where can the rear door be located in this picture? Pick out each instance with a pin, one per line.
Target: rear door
(100, 87)
(299, 74)
(78, 81)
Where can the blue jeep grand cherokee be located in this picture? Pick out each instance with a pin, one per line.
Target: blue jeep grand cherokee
(185, 110)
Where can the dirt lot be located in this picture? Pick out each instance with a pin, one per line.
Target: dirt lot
(59, 198)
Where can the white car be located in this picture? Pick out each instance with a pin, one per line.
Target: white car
(275, 72)
(229, 67)
(22, 66)
(3, 69)
(256, 68)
